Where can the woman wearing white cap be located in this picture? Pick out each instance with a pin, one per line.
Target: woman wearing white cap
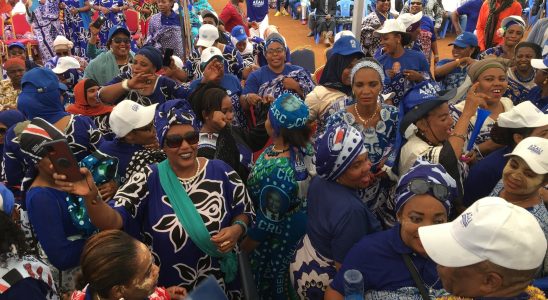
(522, 121)
(539, 94)
(369, 40)
(511, 30)
(404, 67)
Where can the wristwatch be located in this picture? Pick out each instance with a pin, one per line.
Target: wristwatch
(125, 85)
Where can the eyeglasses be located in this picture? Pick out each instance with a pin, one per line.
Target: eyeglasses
(275, 50)
(176, 140)
(121, 40)
(420, 186)
(416, 3)
(61, 54)
(148, 127)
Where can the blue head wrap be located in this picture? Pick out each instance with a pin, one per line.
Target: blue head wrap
(287, 111)
(434, 173)
(173, 112)
(153, 55)
(274, 37)
(41, 96)
(11, 117)
(7, 200)
(336, 148)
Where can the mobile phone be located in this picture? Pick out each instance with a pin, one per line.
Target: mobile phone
(63, 160)
(167, 57)
(99, 22)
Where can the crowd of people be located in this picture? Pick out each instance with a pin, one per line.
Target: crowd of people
(136, 165)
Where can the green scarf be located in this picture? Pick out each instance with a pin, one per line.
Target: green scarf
(492, 20)
(192, 222)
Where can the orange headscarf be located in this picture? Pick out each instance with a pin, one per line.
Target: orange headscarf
(81, 105)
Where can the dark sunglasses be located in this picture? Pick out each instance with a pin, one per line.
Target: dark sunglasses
(176, 140)
(61, 54)
(383, 0)
(416, 3)
(145, 128)
(121, 40)
(420, 186)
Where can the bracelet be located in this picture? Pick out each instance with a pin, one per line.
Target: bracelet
(436, 56)
(125, 85)
(458, 61)
(461, 136)
(241, 224)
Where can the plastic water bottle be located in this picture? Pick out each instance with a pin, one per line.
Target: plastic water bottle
(353, 285)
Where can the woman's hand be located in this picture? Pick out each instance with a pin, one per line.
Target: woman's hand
(214, 71)
(291, 84)
(141, 81)
(108, 190)
(84, 187)
(253, 99)
(227, 238)
(413, 75)
(474, 99)
(73, 10)
(177, 292)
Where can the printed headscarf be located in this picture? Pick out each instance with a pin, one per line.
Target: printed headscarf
(173, 112)
(35, 135)
(289, 112)
(434, 173)
(336, 149)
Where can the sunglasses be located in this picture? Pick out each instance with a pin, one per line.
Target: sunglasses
(61, 54)
(416, 3)
(121, 40)
(419, 186)
(148, 127)
(275, 51)
(176, 140)
(383, 0)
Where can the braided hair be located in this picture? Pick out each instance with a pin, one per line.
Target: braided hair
(492, 20)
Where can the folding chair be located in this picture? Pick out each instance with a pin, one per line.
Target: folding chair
(20, 27)
(318, 74)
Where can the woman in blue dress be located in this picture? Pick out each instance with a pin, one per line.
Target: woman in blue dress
(278, 184)
(521, 76)
(378, 122)
(423, 197)
(539, 94)
(44, 19)
(337, 218)
(210, 195)
(77, 19)
(403, 67)
(141, 84)
(113, 11)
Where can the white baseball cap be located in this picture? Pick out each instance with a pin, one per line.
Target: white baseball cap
(491, 229)
(207, 35)
(540, 64)
(534, 151)
(343, 33)
(523, 115)
(210, 53)
(128, 115)
(392, 25)
(409, 19)
(178, 61)
(66, 63)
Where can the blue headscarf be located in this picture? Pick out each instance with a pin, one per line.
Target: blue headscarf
(336, 148)
(153, 55)
(7, 201)
(289, 112)
(11, 117)
(434, 173)
(41, 96)
(173, 112)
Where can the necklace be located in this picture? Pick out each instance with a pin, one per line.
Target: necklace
(272, 151)
(527, 79)
(360, 116)
(195, 174)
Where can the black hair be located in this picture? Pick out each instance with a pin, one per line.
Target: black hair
(405, 38)
(505, 136)
(535, 47)
(296, 137)
(475, 52)
(206, 98)
(108, 259)
(11, 234)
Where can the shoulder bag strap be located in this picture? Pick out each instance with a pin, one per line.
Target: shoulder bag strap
(416, 277)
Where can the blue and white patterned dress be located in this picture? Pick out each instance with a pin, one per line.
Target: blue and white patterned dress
(112, 19)
(75, 30)
(218, 194)
(379, 142)
(494, 51)
(46, 26)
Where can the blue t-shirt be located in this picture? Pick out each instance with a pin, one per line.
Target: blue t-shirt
(335, 226)
(48, 213)
(264, 74)
(123, 151)
(257, 10)
(379, 258)
(471, 9)
(410, 60)
(454, 79)
(484, 175)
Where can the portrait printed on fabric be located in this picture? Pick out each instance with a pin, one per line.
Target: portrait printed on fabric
(274, 201)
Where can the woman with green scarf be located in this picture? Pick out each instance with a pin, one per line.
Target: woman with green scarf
(208, 193)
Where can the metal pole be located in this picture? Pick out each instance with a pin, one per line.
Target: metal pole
(359, 6)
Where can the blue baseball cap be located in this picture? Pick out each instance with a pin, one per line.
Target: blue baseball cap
(465, 39)
(238, 32)
(7, 201)
(115, 29)
(16, 44)
(421, 99)
(41, 80)
(346, 45)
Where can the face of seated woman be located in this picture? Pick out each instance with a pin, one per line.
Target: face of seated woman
(520, 180)
(119, 44)
(493, 82)
(420, 210)
(142, 65)
(437, 125)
